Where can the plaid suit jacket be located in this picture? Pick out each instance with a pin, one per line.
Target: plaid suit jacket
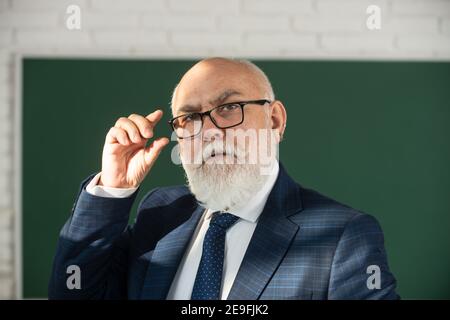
(305, 246)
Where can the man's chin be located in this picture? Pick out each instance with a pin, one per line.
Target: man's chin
(224, 186)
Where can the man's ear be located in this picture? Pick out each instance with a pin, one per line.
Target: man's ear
(279, 118)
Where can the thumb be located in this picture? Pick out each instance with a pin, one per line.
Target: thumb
(152, 152)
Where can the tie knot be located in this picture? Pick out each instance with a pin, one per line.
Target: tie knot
(223, 220)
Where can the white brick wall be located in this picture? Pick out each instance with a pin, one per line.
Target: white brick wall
(325, 29)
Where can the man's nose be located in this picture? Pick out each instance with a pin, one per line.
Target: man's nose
(210, 131)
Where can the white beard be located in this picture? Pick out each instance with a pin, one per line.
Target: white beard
(225, 186)
(219, 185)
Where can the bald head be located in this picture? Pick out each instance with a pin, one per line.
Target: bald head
(222, 77)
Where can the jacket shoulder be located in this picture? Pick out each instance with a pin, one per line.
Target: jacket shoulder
(324, 211)
(164, 196)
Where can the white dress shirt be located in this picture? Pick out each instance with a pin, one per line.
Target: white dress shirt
(236, 241)
(107, 192)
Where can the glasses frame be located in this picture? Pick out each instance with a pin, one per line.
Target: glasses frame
(242, 104)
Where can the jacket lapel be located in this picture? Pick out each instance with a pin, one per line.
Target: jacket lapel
(166, 257)
(270, 241)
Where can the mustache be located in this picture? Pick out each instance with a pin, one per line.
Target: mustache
(219, 148)
(234, 154)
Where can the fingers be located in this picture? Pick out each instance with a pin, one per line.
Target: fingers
(139, 128)
(144, 125)
(154, 149)
(130, 128)
(155, 116)
(134, 129)
(117, 135)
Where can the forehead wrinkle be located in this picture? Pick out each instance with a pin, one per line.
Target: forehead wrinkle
(189, 108)
(224, 96)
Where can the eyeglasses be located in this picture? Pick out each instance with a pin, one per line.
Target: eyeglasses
(225, 116)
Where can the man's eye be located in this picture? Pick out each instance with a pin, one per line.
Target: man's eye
(229, 107)
(188, 118)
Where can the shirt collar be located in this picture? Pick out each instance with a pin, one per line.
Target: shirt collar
(253, 209)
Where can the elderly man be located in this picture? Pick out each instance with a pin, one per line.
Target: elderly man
(241, 229)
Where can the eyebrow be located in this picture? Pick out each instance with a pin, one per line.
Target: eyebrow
(217, 101)
(224, 96)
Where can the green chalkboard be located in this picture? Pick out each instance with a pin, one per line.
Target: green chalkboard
(374, 135)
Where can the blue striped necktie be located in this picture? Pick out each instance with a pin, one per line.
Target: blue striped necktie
(208, 281)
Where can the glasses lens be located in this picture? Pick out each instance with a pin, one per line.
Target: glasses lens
(188, 125)
(227, 115)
